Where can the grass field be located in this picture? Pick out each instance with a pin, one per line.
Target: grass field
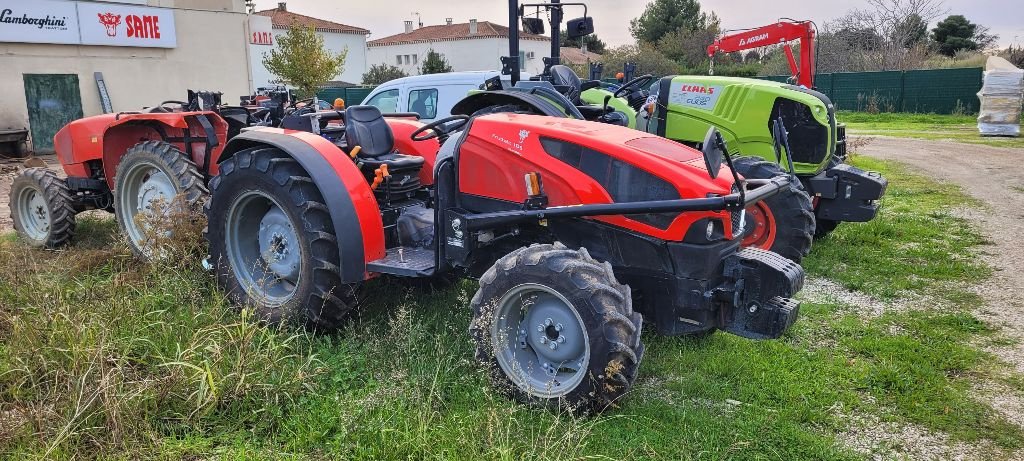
(104, 357)
(960, 128)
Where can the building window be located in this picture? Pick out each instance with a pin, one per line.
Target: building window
(423, 101)
(415, 59)
(522, 60)
(407, 59)
(398, 59)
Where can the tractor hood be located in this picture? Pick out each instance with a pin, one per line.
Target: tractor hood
(554, 143)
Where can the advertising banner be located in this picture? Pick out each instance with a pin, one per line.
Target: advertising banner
(38, 21)
(121, 25)
(261, 30)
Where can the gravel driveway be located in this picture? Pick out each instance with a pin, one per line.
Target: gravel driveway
(994, 175)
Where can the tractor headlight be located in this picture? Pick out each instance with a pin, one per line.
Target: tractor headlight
(710, 231)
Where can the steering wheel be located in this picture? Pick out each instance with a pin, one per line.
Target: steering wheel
(440, 128)
(162, 107)
(636, 82)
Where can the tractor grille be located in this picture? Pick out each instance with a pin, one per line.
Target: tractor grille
(738, 222)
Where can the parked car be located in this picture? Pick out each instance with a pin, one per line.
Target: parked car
(432, 95)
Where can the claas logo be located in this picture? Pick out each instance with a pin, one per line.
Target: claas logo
(137, 26)
(689, 88)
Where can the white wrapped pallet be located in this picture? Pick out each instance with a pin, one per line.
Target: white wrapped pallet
(1002, 95)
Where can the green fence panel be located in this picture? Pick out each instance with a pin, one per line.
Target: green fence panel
(868, 91)
(352, 96)
(942, 91)
(357, 95)
(330, 94)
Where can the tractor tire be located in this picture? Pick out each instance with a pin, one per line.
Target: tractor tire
(152, 171)
(823, 226)
(545, 297)
(273, 244)
(42, 208)
(783, 223)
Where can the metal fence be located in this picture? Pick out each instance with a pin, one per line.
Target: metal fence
(940, 91)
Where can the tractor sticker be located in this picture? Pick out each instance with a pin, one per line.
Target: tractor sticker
(694, 95)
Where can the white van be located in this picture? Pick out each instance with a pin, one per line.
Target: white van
(432, 95)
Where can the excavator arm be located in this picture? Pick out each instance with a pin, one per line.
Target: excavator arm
(783, 31)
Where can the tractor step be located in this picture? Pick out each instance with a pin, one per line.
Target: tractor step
(405, 262)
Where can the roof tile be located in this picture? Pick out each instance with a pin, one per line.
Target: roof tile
(444, 32)
(284, 19)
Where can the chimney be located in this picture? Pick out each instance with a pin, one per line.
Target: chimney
(408, 26)
(472, 27)
(448, 21)
(282, 6)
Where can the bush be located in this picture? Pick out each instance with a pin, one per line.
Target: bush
(380, 73)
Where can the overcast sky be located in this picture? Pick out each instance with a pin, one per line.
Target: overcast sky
(611, 17)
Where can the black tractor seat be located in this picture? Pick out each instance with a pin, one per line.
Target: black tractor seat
(365, 127)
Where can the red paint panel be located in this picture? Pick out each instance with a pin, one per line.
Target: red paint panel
(403, 129)
(502, 148)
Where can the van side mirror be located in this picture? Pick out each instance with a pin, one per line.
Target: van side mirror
(714, 151)
(533, 26)
(580, 27)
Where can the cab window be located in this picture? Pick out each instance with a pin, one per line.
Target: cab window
(386, 101)
(424, 102)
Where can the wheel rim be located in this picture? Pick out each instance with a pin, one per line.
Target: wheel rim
(539, 341)
(263, 248)
(144, 185)
(762, 227)
(34, 213)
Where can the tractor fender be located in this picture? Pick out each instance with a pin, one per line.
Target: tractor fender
(354, 210)
(107, 137)
(474, 102)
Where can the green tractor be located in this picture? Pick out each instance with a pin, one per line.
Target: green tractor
(761, 121)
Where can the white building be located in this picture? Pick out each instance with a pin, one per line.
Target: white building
(337, 37)
(147, 51)
(475, 45)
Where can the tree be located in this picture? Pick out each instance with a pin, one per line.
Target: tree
(662, 17)
(380, 73)
(435, 63)
(301, 60)
(689, 47)
(910, 31)
(956, 33)
(648, 60)
(594, 44)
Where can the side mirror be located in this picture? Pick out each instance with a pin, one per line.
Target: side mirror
(714, 151)
(580, 27)
(533, 26)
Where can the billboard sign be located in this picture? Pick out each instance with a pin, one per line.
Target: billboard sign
(39, 21)
(261, 30)
(120, 25)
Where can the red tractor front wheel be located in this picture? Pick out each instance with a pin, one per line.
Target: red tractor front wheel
(783, 223)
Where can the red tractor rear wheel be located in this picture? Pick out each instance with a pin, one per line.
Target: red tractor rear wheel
(783, 223)
(273, 243)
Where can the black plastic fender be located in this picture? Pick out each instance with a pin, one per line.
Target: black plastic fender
(474, 102)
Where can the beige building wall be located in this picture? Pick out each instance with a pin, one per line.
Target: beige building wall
(212, 54)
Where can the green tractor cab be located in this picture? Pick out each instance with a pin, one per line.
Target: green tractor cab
(744, 111)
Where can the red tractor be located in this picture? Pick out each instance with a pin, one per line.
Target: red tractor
(565, 223)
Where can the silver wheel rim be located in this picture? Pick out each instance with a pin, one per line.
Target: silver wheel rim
(34, 213)
(263, 248)
(539, 341)
(144, 185)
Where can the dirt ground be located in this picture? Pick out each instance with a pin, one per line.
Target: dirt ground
(995, 176)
